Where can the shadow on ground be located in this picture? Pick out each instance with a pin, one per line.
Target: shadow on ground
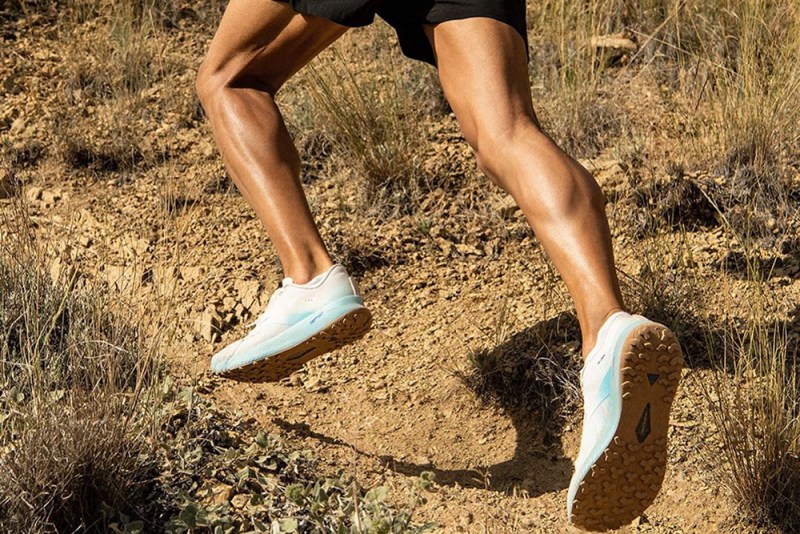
(532, 377)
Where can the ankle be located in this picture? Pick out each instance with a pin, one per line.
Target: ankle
(303, 272)
(590, 326)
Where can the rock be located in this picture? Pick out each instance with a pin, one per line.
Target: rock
(208, 325)
(315, 385)
(469, 250)
(87, 220)
(507, 207)
(228, 303)
(612, 179)
(124, 278)
(9, 185)
(422, 461)
(61, 272)
(248, 291)
(445, 245)
(51, 197)
(17, 127)
(165, 278)
(192, 273)
(33, 193)
(617, 42)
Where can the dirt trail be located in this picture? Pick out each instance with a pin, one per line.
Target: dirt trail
(391, 406)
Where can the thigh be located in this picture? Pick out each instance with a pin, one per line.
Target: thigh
(483, 68)
(262, 43)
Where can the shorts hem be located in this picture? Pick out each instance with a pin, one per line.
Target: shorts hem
(300, 6)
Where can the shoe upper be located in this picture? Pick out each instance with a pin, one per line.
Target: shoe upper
(596, 380)
(293, 302)
(290, 304)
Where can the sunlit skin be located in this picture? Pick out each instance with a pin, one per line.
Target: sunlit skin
(483, 71)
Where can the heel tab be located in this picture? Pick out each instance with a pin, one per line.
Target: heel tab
(354, 286)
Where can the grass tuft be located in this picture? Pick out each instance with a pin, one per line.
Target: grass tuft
(75, 465)
(372, 121)
(757, 411)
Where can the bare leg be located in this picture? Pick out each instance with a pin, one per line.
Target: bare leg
(258, 46)
(483, 70)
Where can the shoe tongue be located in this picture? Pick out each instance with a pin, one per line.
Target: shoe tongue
(287, 281)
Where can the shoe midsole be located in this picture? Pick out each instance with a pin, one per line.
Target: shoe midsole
(297, 333)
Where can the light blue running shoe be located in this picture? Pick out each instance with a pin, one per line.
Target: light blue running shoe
(301, 322)
(628, 381)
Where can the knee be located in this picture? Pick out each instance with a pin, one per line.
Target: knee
(498, 147)
(525, 162)
(205, 84)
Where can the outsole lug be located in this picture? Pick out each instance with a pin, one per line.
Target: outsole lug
(345, 330)
(628, 475)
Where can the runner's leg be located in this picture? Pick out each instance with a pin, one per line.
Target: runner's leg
(258, 46)
(483, 70)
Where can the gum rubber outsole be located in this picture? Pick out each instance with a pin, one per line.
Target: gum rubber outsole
(626, 478)
(343, 331)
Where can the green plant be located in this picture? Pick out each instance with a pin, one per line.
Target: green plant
(218, 472)
(95, 437)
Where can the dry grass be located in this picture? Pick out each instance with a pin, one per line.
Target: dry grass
(76, 381)
(77, 464)
(375, 128)
(756, 113)
(568, 74)
(755, 403)
(109, 116)
(531, 369)
(754, 136)
(534, 370)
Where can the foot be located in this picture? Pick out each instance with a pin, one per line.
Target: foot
(628, 381)
(301, 322)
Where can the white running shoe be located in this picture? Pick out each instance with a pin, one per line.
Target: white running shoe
(301, 322)
(628, 382)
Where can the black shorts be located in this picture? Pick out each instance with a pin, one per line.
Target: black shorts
(408, 16)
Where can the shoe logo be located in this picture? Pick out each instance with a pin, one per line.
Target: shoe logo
(317, 316)
(652, 377)
(643, 426)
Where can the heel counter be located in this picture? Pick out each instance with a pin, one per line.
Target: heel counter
(343, 283)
